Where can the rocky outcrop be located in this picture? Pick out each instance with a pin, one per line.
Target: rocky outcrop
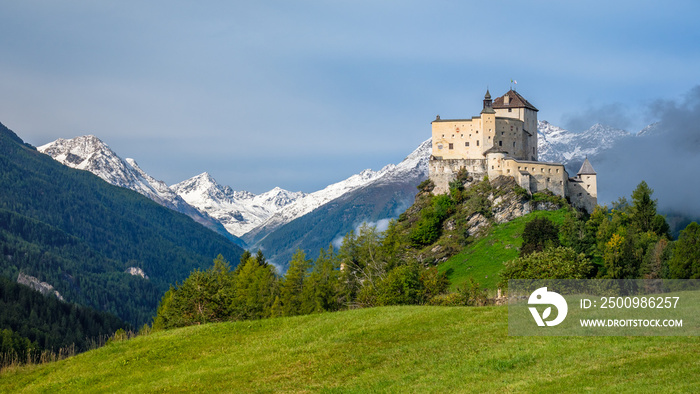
(37, 285)
(136, 271)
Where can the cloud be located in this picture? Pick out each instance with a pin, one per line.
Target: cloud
(667, 159)
(380, 225)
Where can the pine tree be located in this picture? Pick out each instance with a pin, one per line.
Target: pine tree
(293, 284)
(643, 209)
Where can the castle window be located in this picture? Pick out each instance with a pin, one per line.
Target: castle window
(588, 186)
(518, 167)
(466, 143)
(533, 150)
(503, 133)
(489, 138)
(492, 167)
(513, 144)
(561, 182)
(510, 109)
(452, 146)
(453, 136)
(500, 143)
(462, 136)
(547, 179)
(443, 136)
(509, 170)
(550, 170)
(511, 128)
(580, 194)
(477, 143)
(557, 170)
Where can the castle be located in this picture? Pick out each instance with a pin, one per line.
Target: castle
(503, 141)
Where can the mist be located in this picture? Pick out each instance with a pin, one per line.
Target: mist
(666, 158)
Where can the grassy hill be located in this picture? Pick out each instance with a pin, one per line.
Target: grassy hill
(395, 349)
(483, 259)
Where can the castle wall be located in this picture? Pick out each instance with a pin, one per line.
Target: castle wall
(443, 171)
(580, 195)
(465, 135)
(462, 138)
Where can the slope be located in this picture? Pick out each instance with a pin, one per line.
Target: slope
(483, 259)
(388, 349)
(78, 233)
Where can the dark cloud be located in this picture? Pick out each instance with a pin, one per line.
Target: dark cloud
(617, 115)
(667, 158)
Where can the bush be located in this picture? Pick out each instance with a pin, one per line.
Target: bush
(553, 263)
(538, 234)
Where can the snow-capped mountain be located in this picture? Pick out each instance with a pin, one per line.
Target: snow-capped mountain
(89, 153)
(371, 196)
(413, 167)
(558, 145)
(238, 211)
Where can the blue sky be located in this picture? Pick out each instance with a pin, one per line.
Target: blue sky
(305, 93)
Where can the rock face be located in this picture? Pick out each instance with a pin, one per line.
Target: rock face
(35, 284)
(507, 204)
(136, 271)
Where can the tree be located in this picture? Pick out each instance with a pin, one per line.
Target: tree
(685, 263)
(293, 284)
(402, 286)
(538, 234)
(321, 292)
(643, 209)
(254, 290)
(553, 263)
(203, 297)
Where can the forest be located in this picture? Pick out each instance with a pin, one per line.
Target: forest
(33, 324)
(629, 240)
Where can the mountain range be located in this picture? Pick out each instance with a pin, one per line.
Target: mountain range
(94, 243)
(279, 221)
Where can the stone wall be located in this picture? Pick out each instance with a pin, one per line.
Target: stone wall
(443, 171)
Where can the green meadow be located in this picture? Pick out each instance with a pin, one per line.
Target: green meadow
(484, 258)
(387, 349)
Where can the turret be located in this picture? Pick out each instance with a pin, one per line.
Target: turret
(488, 104)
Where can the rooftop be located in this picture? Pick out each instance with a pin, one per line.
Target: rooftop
(516, 101)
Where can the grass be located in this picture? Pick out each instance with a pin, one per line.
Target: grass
(394, 349)
(483, 259)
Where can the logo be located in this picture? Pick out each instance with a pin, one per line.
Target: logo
(543, 297)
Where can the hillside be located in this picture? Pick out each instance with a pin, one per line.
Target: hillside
(48, 322)
(80, 234)
(396, 349)
(483, 259)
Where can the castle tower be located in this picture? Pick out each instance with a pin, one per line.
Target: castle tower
(588, 176)
(488, 123)
(513, 105)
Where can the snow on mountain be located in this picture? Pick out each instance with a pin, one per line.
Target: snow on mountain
(414, 166)
(558, 145)
(238, 211)
(89, 153)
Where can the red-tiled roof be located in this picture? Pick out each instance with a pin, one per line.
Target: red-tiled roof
(516, 101)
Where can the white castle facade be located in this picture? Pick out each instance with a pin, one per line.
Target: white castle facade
(503, 141)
